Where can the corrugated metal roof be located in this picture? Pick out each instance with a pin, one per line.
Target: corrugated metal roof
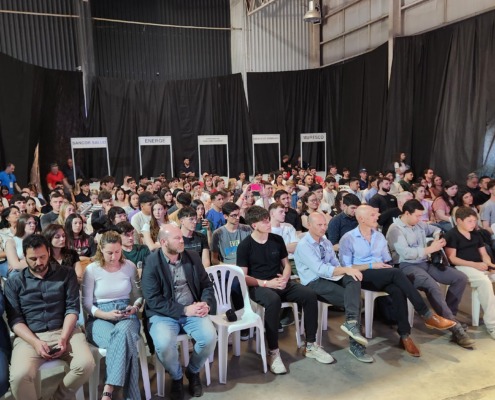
(47, 41)
(278, 38)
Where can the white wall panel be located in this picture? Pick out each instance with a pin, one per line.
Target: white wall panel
(342, 38)
(357, 14)
(423, 17)
(332, 51)
(332, 26)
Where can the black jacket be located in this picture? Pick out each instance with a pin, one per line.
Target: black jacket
(157, 285)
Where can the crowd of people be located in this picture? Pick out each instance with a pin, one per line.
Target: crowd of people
(85, 265)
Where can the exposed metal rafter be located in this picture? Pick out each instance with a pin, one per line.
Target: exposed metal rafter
(254, 6)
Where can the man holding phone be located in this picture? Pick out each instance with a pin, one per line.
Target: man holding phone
(42, 310)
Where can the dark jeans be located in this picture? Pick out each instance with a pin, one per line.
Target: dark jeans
(396, 284)
(5, 352)
(272, 299)
(345, 292)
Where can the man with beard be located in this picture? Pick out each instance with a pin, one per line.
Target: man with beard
(383, 200)
(42, 310)
(179, 296)
(291, 216)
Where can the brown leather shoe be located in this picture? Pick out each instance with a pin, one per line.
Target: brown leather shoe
(408, 345)
(438, 322)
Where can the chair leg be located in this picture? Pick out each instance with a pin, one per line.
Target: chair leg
(236, 343)
(143, 360)
(369, 302)
(410, 313)
(160, 377)
(222, 355)
(94, 380)
(324, 317)
(475, 307)
(261, 335)
(319, 332)
(207, 373)
(184, 348)
(295, 310)
(301, 323)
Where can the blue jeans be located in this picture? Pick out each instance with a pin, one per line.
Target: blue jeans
(164, 332)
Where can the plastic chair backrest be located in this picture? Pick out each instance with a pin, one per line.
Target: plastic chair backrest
(222, 277)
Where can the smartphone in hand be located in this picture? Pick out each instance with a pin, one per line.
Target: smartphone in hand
(53, 350)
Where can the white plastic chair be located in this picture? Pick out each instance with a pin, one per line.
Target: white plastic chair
(99, 353)
(369, 310)
(322, 320)
(50, 365)
(246, 318)
(475, 303)
(475, 307)
(160, 370)
(260, 310)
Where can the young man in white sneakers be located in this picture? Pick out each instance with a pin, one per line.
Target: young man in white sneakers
(263, 257)
(319, 269)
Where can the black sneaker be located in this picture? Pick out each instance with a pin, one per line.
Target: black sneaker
(245, 335)
(195, 387)
(280, 328)
(177, 390)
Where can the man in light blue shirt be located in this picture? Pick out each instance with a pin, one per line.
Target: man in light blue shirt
(366, 249)
(319, 269)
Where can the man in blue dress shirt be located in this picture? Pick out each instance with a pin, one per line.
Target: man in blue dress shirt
(319, 269)
(366, 249)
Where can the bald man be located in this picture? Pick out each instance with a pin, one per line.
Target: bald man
(319, 269)
(365, 249)
(179, 296)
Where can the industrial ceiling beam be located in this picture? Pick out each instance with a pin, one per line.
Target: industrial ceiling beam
(253, 6)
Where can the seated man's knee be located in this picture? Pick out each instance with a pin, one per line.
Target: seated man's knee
(22, 372)
(163, 338)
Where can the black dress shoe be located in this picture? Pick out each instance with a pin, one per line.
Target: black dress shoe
(177, 391)
(195, 387)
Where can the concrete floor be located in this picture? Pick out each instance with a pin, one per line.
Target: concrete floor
(444, 371)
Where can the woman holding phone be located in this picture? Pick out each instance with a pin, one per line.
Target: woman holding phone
(111, 297)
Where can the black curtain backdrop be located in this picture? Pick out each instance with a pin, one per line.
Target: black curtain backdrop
(37, 105)
(441, 108)
(347, 101)
(123, 110)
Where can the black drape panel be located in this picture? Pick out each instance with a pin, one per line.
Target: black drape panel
(37, 105)
(441, 109)
(18, 138)
(124, 110)
(347, 101)
(356, 96)
(285, 103)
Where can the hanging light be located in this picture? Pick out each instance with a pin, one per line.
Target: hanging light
(313, 13)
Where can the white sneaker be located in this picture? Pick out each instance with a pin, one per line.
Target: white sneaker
(491, 332)
(276, 364)
(314, 351)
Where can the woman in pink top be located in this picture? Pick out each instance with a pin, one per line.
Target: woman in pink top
(443, 205)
